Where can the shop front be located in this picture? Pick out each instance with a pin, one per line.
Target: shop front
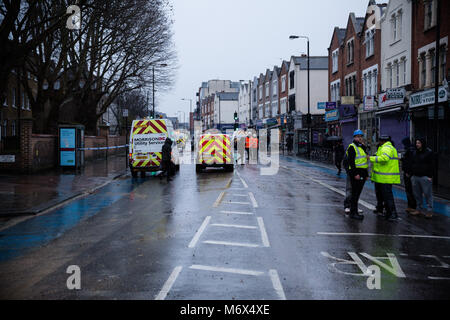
(348, 121)
(421, 108)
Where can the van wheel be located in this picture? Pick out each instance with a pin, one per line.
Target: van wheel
(134, 173)
(177, 167)
(198, 168)
(229, 168)
(142, 174)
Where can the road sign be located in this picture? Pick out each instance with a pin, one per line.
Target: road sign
(125, 113)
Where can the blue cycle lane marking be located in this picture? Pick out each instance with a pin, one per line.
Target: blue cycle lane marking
(38, 231)
(438, 207)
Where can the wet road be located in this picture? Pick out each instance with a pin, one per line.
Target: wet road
(219, 235)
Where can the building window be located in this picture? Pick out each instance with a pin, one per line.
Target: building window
(13, 128)
(260, 92)
(350, 51)
(283, 83)
(370, 42)
(423, 71)
(275, 88)
(433, 66)
(13, 98)
(375, 81)
(390, 75)
(291, 80)
(4, 128)
(335, 57)
(442, 63)
(396, 26)
(397, 73)
(429, 14)
(267, 89)
(404, 70)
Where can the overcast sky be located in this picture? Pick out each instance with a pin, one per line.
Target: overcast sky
(239, 39)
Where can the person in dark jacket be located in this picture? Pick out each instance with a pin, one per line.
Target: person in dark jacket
(357, 171)
(407, 159)
(422, 177)
(167, 159)
(339, 156)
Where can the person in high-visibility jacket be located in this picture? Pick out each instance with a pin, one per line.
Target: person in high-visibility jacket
(385, 173)
(357, 171)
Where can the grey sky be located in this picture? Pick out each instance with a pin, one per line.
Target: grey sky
(238, 39)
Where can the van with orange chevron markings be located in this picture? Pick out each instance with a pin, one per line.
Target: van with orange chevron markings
(215, 150)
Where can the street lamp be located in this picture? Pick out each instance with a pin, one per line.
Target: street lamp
(190, 110)
(308, 116)
(160, 65)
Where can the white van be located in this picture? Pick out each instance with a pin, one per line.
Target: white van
(147, 138)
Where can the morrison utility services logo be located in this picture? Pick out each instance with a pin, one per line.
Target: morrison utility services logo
(74, 20)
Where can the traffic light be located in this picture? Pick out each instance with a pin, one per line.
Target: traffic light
(235, 126)
(152, 116)
(236, 116)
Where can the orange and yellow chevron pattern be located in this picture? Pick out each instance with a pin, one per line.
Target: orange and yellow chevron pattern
(148, 127)
(215, 149)
(153, 161)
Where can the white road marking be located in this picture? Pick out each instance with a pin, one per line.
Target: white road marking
(364, 203)
(237, 202)
(252, 197)
(237, 212)
(381, 234)
(265, 238)
(227, 270)
(199, 232)
(219, 199)
(233, 226)
(237, 188)
(235, 244)
(277, 284)
(239, 195)
(438, 278)
(168, 285)
(243, 182)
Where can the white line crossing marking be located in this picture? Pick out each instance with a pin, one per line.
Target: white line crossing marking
(252, 198)
(364, 203)
(169, 283)
(237, 188)
(239, 195)
(233, 226)
(235, 244)
(219, 199)
(242, 180)
(438, 278)
(237, 212)
(277, 284)
(237, 202)
(199, 232)
(265, 238)
(227, 270)
(381, 234)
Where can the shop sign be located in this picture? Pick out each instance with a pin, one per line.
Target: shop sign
(332, 115)
(396, 94)
(369, 103)
(384, 101)
(348, 100)
(427, 97)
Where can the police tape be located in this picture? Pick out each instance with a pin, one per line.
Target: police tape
(103, 148)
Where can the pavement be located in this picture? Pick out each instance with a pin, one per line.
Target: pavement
(25, 195)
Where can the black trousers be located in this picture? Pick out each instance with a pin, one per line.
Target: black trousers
(379, 195)
(167, 168)
(357, 187)
(409, 192)
(387, 198)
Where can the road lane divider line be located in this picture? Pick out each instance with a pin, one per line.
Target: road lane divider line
(237, 202)
(237, 212)
(362, 202)
(277, 284)
(262, 229)
(242, 180)
(233, 226)
(199, 232)
(228, 183)
(382, 235)
(252, 198)
(234, 244)
(169, 283)
(219, 199)
(227, 270)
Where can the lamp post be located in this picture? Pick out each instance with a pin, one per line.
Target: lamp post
(308, 116)
(160, 65)
(190, 111)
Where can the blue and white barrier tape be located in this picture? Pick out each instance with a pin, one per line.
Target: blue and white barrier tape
(103, 148)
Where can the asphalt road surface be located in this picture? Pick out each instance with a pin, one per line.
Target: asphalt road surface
(218, 235)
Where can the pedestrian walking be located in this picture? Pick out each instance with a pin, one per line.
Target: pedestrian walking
(339, 156)
(357, 171)
(407, 159)
(166, 164)
(348, 183)
(289, 144)
(422, 178)
(386, 172)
